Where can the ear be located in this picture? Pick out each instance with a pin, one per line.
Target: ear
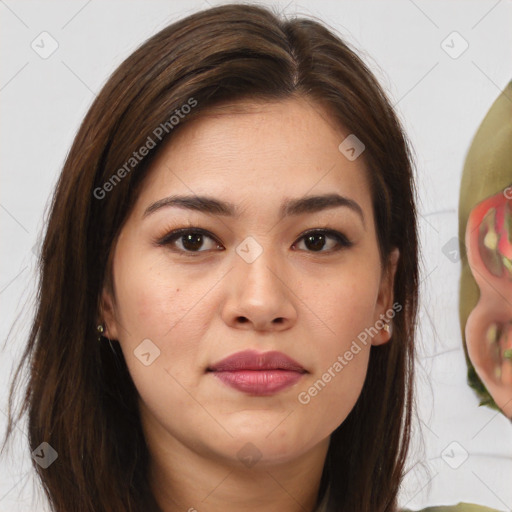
(107, 314)
(385, 300)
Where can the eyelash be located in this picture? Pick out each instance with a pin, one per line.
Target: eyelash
(172, 236)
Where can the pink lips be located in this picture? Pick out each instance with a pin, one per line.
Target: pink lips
(258, 373)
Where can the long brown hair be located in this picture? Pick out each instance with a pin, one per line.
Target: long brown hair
(80, 397)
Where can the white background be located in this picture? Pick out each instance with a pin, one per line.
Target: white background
(441, 101)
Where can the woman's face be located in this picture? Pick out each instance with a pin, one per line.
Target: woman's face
(249, 281)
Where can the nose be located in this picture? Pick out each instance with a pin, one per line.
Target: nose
(260, 295)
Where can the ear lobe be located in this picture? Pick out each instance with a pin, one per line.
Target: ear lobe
(107, 315)
(385, 299)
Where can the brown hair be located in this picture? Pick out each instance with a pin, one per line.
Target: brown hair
(80, 397)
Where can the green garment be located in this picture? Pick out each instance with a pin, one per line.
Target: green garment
(460, 507)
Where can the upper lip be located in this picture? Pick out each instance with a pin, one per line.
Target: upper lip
(253, 360)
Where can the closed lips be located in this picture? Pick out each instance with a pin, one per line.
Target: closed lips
(258, 374)
(252, 360)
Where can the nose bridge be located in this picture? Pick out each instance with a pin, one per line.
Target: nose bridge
(258, 291)
(259, 265)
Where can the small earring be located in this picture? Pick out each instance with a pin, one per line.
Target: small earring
(387, 328)
(100, 330)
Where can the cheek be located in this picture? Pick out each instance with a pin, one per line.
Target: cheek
(154, 299)
(345, 303)
(159, 304)
(347, 308)
(329, 395)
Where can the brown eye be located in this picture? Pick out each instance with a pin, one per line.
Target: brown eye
(317, 240)
(191, 240)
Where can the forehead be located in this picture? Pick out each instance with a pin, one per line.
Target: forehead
(258, 151)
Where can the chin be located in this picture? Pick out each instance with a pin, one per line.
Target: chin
(268, 449)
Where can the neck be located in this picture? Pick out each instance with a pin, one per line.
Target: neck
(185, 480)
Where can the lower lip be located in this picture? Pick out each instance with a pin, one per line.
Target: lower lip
(259, 382)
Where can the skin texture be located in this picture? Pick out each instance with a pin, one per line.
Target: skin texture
(487, 174)
(199, 309)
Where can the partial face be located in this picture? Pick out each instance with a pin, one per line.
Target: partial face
(489, 325)
(267, 271)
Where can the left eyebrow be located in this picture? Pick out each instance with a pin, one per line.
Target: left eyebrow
(289, 207)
